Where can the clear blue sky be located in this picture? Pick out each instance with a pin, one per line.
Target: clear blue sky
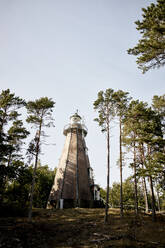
(68, 50)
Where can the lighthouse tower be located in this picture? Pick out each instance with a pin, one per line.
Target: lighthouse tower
(73, 181)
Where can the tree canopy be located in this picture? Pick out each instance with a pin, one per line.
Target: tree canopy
(141, 130)
(150, 49)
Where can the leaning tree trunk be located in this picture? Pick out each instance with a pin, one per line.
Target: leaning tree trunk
(152, 191)
(158, 199)
(108, 171)
(143, 179)
(145, 194)
(153, 199)
(135, 178)
(121, 174)
(34, 173)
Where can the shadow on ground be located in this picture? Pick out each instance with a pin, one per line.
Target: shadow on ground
(82, 228)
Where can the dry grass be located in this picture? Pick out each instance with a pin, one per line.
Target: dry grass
(82, 228)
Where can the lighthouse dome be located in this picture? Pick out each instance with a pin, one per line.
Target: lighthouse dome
(76, 123)
(75, 119)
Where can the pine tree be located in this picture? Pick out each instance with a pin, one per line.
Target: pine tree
(40, 116)
(105, 107)
(16, 133)
(9, 106)
(151, 47)
(131, 128)
(121, 100)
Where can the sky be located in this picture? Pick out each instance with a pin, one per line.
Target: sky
(69, 50)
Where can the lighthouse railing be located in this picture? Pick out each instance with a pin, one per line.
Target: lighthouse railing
(79, 126)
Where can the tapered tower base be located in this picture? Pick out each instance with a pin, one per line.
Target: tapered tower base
(73, 185)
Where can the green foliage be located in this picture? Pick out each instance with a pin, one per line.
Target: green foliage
(105, 107)
(121, 101)
(143, 126)
(39, 115)
(17, 192)
(143, 134)
(158, 104)
(151, 47)
(15, 176)
(9, 103)
(16, 134)
(12, 133)
(44, 181)
(40, 111)
(128, 194)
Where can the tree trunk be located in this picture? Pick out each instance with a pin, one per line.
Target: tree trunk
(135, 179)
(34, 172)
(108, 171)
(153, 199)
(152, 190)
(158, 198)
(145, 194)
(121, 175)
(144, 180)
(9, 159)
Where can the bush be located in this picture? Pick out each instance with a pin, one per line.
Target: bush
(13, 210)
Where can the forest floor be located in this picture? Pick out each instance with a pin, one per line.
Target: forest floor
(82, 228)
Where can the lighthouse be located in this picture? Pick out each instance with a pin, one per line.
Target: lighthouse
(73, 184)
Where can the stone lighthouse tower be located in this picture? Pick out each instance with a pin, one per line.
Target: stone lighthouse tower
(74, 179)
